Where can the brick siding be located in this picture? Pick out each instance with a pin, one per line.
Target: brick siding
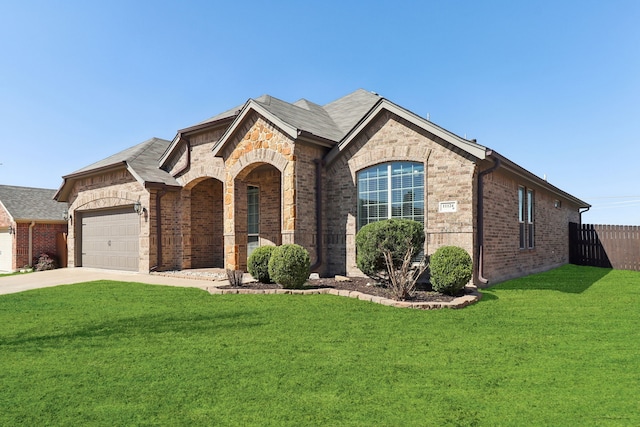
(205, 223)
(449, 175)
(503, 257)
(43, 237)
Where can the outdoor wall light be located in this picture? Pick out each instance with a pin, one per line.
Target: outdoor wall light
(65, 215)
(137, 207)
(11, 230)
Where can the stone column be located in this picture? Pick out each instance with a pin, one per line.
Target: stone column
(230, 248)
(289, 197)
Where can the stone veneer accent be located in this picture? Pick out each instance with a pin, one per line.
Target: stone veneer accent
(257, 142)
(110, 190)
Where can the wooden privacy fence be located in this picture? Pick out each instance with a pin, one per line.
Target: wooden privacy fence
(611, 246)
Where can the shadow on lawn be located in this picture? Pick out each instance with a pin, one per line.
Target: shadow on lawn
(148, 325)
(569, 278)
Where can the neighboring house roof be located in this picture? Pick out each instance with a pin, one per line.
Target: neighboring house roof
(31, 204)
(140, 160)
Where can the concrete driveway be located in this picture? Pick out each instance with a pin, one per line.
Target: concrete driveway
(67, 276)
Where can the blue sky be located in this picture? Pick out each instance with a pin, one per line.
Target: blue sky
(552, 85)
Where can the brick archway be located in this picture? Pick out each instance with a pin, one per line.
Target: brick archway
(202, 223)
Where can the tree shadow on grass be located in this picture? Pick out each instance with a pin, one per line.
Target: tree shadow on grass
(569, 278)
(138, 325)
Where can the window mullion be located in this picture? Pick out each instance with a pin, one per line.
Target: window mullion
(389, 192)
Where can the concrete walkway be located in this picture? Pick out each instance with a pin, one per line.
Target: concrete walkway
(67, 276)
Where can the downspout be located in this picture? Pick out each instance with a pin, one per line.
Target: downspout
(584, 211)
(159, 195)
(319, 164)
(481, 175)
(33, 224)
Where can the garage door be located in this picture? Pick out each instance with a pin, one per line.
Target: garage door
(5, 251)
(110, 239)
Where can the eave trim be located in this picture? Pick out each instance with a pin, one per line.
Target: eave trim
(469, 147)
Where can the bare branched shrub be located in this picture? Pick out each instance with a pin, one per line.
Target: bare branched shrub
(402, 279)
(46, 262)
(235, 277)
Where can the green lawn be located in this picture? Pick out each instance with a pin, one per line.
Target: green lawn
(560, 348)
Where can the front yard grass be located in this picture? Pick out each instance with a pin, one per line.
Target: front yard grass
(558, 348)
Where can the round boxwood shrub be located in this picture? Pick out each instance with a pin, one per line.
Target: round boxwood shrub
(258, 263)
(451, 269)
(395, 235)
(289, 266)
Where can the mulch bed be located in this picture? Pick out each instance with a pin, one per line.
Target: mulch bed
(360, 284)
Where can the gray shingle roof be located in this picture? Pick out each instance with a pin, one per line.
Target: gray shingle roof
(36, 204)
(303, 115)
(142, 159)
(224, 115)
(347, 111)
(331, 121)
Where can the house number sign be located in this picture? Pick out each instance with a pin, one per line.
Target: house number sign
(446, 207)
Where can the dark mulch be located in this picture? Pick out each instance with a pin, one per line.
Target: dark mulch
(360, 284)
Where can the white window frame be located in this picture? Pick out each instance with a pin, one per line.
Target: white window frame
(389, 190)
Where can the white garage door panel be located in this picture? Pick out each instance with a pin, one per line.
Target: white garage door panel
(110, 239)
(5, 251)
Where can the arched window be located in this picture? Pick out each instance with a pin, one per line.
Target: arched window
(391, 190)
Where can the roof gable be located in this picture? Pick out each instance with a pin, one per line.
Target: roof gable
(141, 161)
(470, 147)
(329, 123)
(35, 204)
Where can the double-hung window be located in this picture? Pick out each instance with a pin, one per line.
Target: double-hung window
(391, 190)
(526, 205)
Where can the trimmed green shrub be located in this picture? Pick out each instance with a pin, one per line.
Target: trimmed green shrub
(451, 269)
(397, 236)
(289, 266)
(258, 263)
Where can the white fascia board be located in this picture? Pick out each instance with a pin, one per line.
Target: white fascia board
(474, 149)
(251, 105)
